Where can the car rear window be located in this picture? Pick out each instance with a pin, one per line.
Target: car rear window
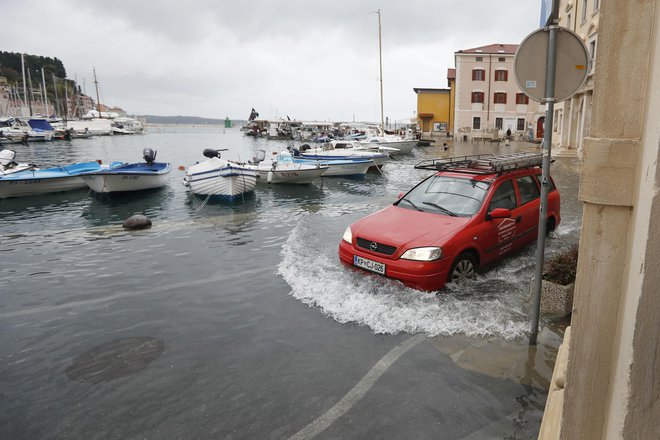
(445, 195)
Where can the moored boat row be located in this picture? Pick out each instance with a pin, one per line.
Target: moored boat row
(214, 176)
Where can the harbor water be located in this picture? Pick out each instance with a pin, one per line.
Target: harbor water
(237, 321)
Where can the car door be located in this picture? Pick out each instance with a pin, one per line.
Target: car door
(497, 236)
(527, 214)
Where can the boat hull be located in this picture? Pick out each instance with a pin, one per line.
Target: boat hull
(299, 175)
(35, 186)
(35, 182)
(218, 177)
(342, 168)
(137, 178)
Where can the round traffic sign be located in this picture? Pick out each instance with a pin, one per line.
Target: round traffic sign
(530, 64)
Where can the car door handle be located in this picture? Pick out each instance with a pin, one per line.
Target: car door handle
(519, 219)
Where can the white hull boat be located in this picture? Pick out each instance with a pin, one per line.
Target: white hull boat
(131, 176)
(219, 177)
(280, 168)
(35, 182)
(395, 145)
(378, 159)
(340, 167)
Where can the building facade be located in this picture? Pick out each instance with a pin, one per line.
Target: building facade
(606, 382)
(572, 118)
(433, 111)
(487, 97)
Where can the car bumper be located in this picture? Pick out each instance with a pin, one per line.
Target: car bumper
(420, 275)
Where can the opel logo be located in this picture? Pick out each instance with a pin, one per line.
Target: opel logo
(373, 246)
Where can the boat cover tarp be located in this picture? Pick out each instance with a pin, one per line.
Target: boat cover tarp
(40, 124)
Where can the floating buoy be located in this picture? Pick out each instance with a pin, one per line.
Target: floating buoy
(137, 222)
(99, 161)
(182, 168)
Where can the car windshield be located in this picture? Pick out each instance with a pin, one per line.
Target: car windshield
(453, 196)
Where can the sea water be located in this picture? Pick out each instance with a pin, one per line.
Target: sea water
(241, 299)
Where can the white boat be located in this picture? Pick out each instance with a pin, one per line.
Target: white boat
(280, 168)
(35, 182)
(395, 145)
(9, 166)
(347, 150)
(14, 130)
(131, 176)
(95, 126)
(339, 167)
(219, 177)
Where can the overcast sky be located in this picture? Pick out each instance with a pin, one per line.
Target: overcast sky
(310, 60)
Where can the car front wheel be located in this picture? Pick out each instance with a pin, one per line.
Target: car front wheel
(463, 267)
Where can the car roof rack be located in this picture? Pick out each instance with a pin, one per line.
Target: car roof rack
(483, 163)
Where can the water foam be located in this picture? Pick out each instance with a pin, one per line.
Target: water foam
(488, 306)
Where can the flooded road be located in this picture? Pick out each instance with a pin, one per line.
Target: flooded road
(239, 322)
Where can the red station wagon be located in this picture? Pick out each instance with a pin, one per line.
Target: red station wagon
(472, 212)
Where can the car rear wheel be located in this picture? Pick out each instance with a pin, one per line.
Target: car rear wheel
(463, 267)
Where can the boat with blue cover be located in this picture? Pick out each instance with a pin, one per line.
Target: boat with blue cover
(130, 176)
(35, 182)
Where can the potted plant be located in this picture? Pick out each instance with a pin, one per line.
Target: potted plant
(558, 283)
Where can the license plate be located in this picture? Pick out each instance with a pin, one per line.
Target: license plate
(373, 266)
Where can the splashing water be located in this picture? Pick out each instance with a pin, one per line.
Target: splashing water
(491, 305)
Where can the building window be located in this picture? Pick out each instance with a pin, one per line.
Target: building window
(480, 58)
(521, 98)
(499, 98)
(596, 4)
(478, 97)
(520, 126)
(501, 59)
(584, 11)
(478, 75)
(501, 75)
(568, 21)
(476, 123)
(499, 123)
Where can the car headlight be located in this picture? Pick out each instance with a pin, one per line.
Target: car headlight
(422, 254)
(348, 235)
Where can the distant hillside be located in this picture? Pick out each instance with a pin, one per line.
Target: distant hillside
(182, 120)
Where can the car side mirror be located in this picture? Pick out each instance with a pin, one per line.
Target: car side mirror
(499, 213)
(399, 195)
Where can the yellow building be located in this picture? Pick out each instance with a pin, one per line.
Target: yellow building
(433, 111)
(435, 107)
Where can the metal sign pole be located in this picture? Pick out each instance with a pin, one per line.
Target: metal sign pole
(545, 176)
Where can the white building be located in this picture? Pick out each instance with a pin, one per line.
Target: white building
(488, 99)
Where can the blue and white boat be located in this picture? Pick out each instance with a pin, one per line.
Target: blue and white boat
(281, 168)
(340, 166)
(35, 182)
(219, 177)
(131, 176)
(344, 151)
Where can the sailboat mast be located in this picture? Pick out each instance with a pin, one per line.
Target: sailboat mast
(380, 60)
(25, 95)
(45, 96)
(98, 102)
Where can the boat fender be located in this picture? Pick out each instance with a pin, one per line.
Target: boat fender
(270, 176)
(137, 221)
